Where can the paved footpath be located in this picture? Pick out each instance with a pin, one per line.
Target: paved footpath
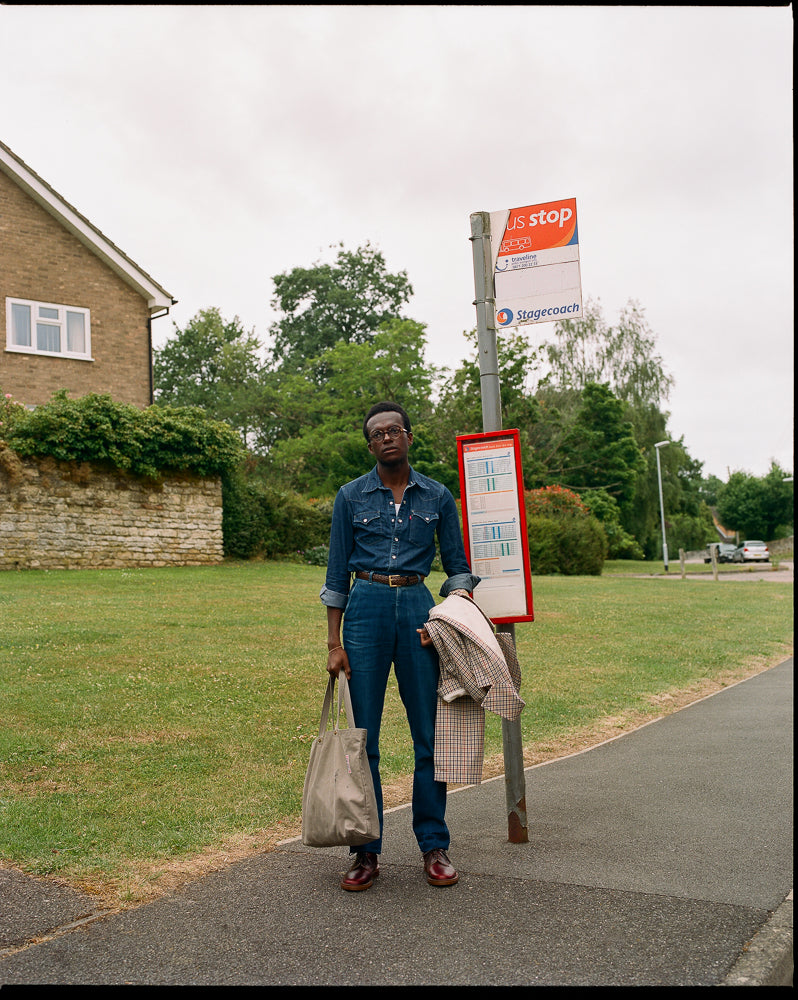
(663, 857)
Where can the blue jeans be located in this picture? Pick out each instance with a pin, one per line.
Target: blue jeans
(379, 628)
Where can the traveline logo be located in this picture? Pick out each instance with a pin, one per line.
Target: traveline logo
(504, 317)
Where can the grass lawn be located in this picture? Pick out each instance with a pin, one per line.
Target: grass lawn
(155, 721)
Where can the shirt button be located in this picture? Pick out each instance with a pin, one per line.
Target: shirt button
(393, 557)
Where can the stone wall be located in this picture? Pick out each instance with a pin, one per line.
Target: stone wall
(62, 515)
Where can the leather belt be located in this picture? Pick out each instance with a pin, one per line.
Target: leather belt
(391, 581)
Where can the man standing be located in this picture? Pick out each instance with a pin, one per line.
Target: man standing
(383, 531)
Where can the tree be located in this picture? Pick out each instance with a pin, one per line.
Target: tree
(213, 364)
(459, 406)
(739, 506)
(620, 544)
(710, 489)
(327, 447)
(347, 301)
(757, 507)
(778, 506)
(600, 451)
(622, 356)
(688, 520)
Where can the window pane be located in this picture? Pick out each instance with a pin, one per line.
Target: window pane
(76, 333)
(46, 313)
(48, 337)
(20, 325)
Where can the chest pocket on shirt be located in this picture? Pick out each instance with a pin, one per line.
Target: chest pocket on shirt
(364, 518)
(422, 526)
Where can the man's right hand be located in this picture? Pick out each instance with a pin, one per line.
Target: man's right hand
(337, 660)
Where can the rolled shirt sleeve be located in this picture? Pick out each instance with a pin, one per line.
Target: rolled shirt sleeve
(335, 592)
(460, 581)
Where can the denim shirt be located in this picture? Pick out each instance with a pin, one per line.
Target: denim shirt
(368, 534)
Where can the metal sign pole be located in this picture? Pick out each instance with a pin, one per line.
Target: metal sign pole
(485, 302)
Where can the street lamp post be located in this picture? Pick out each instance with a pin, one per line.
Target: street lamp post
(657, 446)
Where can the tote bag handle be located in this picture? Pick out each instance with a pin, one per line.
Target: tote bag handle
(344, 701)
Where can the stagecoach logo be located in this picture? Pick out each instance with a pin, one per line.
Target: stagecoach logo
(504, 316)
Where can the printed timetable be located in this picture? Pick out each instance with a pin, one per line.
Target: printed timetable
(491, 489)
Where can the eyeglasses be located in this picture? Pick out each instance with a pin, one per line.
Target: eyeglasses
(392, 432)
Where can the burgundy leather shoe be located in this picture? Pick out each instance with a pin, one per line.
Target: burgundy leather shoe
(362, 873)
(439, 869)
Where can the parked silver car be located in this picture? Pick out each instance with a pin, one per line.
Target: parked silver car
(724, 552)
(751, 551)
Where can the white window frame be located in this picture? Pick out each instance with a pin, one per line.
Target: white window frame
(59, 321)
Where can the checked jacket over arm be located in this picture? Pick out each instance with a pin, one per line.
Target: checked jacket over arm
(479, 671)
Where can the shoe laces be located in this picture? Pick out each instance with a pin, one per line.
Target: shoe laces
(438, 854)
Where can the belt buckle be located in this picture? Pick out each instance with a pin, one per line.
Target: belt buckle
(393, 577)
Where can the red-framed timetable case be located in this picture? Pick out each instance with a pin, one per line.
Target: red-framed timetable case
(494, 523)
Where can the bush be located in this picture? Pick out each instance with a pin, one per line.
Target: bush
(620, 544)
(97, 429)
(11, 412)
(318, 555)
(554, 501)
(583, 546)
(543, 534)
(563, 535)
(258, 520)
(690, 532)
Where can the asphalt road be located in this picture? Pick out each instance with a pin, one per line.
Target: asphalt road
(735, 573)
(660, 858)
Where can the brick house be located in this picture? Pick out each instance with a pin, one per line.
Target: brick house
(75, 312)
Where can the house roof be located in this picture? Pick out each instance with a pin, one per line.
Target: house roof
(90, 236)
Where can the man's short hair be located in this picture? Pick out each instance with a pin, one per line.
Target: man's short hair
(386, 407)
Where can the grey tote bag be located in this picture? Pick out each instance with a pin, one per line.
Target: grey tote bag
(339, 807)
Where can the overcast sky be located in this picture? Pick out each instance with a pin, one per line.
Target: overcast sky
(219, 146)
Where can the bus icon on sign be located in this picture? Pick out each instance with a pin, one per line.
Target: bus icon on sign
(515, 246)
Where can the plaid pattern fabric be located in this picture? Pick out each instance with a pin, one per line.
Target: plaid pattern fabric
(479, 672)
